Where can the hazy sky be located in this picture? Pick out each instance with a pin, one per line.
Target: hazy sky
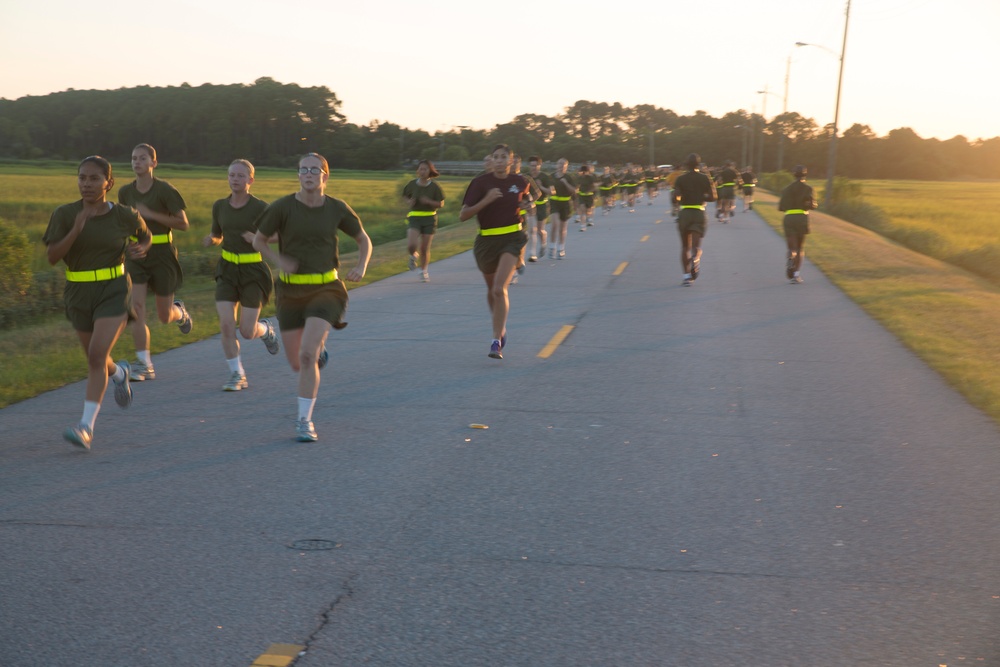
(433, 65)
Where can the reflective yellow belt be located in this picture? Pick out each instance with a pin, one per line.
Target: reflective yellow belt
(497, 231)
(727, 185)
(749, 185)
(308, 278)
(157, 238)
(700, 208)
(242, 258)
(794, 211)
(607, 187)
(95, 275)
(651, 180)
(422, 213)
(586, 194)
(558, 198)
(541, 201)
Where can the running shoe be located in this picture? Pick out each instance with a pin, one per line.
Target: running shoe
(412, 261)
(503, 340)
(305, 431)
(513, 279)
(237, 381)
(790, 268)
(123, 391)
(695, 268)
(141, 372)
(562, 254)
(185, 323)
(495, 350)
(687, 280)
(583, 228)
(520, 270)
(426, 277)
(324, 357)
(79, 435)
(552, 253)
(533, 258)
(796, 279)
(590, 223)
(270, 337)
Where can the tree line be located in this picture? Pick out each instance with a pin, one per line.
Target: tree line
(272, 123)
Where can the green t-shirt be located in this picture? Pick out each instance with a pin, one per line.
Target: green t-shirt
(102, 243)
(543, 180)
(161, 198)
(415, 191)
(561, 189)
(310, 234)
(230, 223)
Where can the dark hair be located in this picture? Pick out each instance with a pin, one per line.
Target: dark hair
(103, 164)
(800, 171)
(505, 147)
(432, 172)
(534, 158)
(693, 161)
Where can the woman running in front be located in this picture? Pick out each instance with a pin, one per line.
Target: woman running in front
(162, 207)
(242, 277)
(424, 197)
(495, 199)
(93, 237)
(311, 296)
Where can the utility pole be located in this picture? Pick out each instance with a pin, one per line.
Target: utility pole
(832, 164)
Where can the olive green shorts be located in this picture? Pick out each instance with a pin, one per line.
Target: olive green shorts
(587, 201)
(691, 220)
(796, 224)
(488, 249)
(249, 285)
(562, 209)
(425, 224)
(87, 302)
(296, 303)
(159, 269)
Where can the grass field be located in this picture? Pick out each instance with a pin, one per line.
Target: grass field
(954, 222)
(28, 195)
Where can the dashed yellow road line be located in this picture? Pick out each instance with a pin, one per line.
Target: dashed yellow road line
(555, 342)
(278, 655)
(644, 238)
(620, 270)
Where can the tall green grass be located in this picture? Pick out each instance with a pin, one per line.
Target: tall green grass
(29, 194)
(958, 223)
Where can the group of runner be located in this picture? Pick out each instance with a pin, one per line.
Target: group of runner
(115, 254)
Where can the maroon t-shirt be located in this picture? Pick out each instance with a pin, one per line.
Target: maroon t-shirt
(503, 212)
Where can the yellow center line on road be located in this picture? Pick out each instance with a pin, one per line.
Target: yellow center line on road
(555, 342)
(620, 270)
(278, 655)
(644, 238)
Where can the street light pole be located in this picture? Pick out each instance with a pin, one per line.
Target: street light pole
(831, 166)
(763, 124)
(784, 110)
(765, 93)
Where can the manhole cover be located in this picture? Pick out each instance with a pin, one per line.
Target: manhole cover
(313, 545)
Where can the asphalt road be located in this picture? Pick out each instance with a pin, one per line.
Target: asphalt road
(740, 472)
